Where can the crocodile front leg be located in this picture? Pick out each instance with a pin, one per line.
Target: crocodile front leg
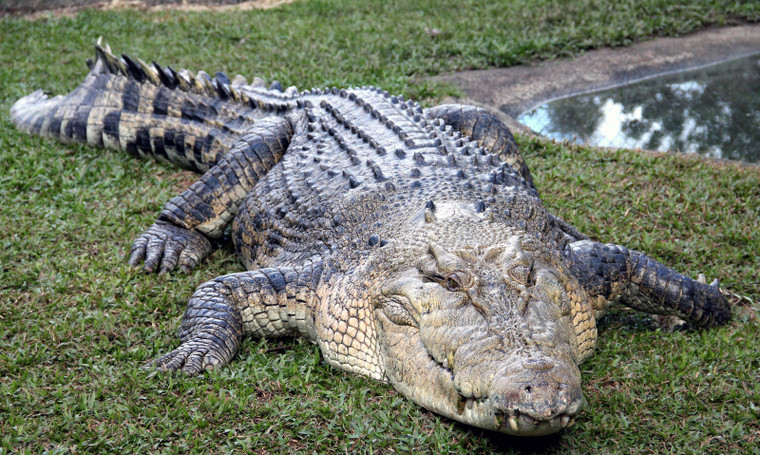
(179, 235)
(268, 302)
(613, 272)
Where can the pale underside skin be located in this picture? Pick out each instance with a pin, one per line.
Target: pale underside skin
(409, 244)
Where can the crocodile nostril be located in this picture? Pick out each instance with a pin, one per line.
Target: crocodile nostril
(527, 389)
(538, 364)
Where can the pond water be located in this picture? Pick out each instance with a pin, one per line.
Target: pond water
(713, 111)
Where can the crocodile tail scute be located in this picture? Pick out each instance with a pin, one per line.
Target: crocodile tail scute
(146, 110)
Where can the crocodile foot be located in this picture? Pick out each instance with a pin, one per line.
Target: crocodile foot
(165, 246)
(195, 355)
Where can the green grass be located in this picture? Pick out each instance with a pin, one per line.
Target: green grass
(76, 323)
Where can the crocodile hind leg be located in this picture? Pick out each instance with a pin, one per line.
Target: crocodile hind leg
(612, 272)
(487, 130)
(269, 302)
(179, 236)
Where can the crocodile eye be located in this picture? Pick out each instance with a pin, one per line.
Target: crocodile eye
(458, 280)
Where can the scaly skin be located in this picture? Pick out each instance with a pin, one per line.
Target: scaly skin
(409, 244)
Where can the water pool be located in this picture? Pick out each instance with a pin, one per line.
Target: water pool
(713, 110)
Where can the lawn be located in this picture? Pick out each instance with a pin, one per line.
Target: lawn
(77, 324)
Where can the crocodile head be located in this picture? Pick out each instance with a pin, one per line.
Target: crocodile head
(489, 336)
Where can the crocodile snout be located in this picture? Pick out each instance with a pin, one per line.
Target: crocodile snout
(535, 397)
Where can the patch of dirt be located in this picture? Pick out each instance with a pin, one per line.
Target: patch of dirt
(38, 9)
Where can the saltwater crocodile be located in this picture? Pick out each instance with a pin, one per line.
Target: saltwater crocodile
(410, 244)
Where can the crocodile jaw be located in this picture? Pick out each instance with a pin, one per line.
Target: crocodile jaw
(527, 402)
(508, 408)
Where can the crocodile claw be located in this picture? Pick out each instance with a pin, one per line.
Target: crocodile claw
(164, 247)
(192, 358)
(702, 279)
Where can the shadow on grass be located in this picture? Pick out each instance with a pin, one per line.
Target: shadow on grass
(527, 445)
(504, 443)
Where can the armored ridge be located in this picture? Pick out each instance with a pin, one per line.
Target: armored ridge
(410, 244)
(124, 104)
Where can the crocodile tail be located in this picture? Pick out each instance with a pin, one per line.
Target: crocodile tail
(125, 104)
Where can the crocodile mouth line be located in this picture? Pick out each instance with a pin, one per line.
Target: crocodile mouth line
(525, 425)
(514, 422)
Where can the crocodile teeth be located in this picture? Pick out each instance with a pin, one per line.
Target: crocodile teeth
(513, 423)
(565, 421)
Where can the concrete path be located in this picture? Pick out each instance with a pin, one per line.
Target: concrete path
(514, 90)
